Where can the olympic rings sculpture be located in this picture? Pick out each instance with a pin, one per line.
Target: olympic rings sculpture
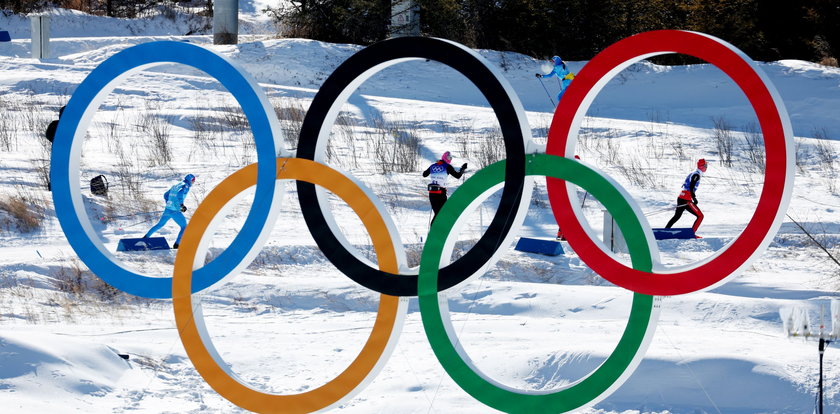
(393, 279)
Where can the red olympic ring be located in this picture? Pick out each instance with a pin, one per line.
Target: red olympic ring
(778, 176)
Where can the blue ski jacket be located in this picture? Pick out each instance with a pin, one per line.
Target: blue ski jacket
(176, 195)
(563, 74)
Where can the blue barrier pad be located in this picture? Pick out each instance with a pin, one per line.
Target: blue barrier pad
(547, 247)
(141, 244)
(4, 36)
(674, 233)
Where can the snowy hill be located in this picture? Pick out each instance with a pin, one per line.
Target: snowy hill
(292, 322)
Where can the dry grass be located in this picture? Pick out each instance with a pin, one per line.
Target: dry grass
(290, 114)
(484, 147)
(71, 279)
(755, 152)
(76, 279)
(829, 61)
(396, 145)
(25, 211)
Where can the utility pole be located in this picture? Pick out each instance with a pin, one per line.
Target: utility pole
(225, 22)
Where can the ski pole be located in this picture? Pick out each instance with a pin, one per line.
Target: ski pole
(131, 215)
(135, 224)
(108, 219)
(661, 210)
(546, 92)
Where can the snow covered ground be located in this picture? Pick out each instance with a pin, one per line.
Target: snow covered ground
(292, 322)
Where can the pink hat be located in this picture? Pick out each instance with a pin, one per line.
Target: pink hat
(446, 157)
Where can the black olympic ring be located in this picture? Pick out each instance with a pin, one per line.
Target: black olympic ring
(325, 107)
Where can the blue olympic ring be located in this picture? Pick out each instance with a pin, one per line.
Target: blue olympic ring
(66, 155)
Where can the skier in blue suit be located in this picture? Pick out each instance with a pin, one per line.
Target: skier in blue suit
(174, 208)
(562, 73)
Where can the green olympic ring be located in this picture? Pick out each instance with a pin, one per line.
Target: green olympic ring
(637, 334)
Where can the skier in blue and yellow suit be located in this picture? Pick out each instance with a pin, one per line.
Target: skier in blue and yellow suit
(175, 208)
(562, 73)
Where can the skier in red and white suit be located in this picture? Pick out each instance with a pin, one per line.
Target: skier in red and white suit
(687, 199)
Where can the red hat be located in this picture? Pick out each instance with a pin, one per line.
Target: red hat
(701, 162)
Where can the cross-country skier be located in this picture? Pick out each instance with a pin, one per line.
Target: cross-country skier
(562, 73)
(174, 208)
(438, 172)
(687, 199)
(50, 134)
(53, 126)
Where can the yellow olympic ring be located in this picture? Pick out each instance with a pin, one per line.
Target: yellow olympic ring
(190, 324)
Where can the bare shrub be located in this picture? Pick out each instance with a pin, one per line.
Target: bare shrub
(234, 120)
(290, 113)
(33, 115)
(158, 127)
(247, 149)
(42, 163)
(724, 140)
(754, 146)
(825, 155)
(611, 147)
(636, 173)
(655, 147)
(489, 148)
(658, 131)
(462, 132)
(128, 174)
(76, 279)
(677, 147)
(8, 126)
(235, 123)
(483, 147)
(604, 143)
(111, 129)
(203, 132)
(345, 125)
(585, 135)
(395, 145)
(71, 278)
(801, 152)
(823, 149)
(207, 132)
(25, 211)
(103, 290)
